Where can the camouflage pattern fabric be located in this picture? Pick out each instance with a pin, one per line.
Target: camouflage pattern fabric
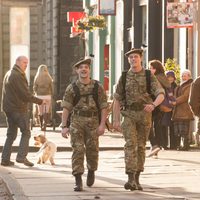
(84, 140)
(83, 130)
(136, 122)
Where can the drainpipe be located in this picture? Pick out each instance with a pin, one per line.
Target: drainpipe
(102, 39)
(88, 35)
(112, 54)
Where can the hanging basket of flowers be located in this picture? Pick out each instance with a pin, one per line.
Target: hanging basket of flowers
(91, 23)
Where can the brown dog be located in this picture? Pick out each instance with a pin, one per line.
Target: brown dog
(47, 149)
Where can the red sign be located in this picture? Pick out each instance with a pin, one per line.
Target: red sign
(74, 17)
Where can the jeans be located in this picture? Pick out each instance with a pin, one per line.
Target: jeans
(17, 120)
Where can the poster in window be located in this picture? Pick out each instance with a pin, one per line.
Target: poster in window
(107, 7)
(180, 15)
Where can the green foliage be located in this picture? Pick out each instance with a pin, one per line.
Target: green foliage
(91, 23)
(171, 64)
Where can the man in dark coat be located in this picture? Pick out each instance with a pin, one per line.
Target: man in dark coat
(194, 102)
(15, 99)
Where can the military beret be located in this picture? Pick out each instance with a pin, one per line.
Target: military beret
(85, 60)
(134, 50)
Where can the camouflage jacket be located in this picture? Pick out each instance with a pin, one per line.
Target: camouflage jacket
(136, 89)
(86, 102)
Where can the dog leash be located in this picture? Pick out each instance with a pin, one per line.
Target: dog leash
(41, 149)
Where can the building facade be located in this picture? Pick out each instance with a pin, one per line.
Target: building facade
(39, 30)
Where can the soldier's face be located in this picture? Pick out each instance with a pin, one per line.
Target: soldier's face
(83, 71)
(135, 60)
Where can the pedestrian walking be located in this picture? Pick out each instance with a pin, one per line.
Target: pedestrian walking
(134, 102)
(194, 101)
(87, 102)
(15, 99)
(182, 114)
(43, 89)
(161, 118)
(172, 139)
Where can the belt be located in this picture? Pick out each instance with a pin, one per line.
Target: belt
(85, 113)
(135, 107)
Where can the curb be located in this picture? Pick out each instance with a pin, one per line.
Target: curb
(13, 187)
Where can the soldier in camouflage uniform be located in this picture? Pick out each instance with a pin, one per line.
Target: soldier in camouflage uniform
(135, 105)
(85, 127)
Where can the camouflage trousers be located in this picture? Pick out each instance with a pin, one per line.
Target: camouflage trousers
(84, 141)
(136, 131)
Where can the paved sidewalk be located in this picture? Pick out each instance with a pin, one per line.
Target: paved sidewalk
(174, 175)
(109, 141)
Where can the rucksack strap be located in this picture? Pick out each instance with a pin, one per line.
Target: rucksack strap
(95, 94)
(148, 80)
(77, 94)
(124, 73)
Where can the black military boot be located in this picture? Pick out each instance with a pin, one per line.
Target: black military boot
(137, 183)
(130, 185)
(79, 183)
(90, 178)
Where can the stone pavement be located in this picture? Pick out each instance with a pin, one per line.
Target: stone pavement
(109, 141)
(174, 175)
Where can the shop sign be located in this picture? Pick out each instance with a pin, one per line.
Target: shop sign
(180, 15)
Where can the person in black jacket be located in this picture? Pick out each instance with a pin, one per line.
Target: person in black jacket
(172, 139)
(194, 101)
(160, 120)
(15, 99)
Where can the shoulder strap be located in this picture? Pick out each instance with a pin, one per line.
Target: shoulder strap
(77, 94)
(124, 81)
(95, 94)
(124, 73)
(148, 80)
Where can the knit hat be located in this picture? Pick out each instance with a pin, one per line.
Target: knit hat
(171, 73)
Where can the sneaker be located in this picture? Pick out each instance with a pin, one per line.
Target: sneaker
(7, 163)
(26, 162)
(154, 151)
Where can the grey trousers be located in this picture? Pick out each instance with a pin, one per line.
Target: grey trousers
(17, 120)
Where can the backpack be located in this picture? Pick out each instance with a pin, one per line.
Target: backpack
(148, 82)
(78, 96)
(166, 105)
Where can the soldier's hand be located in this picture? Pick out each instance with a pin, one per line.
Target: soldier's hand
(117, 126)
(149, 107)
(65, 132)
(101, 129)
